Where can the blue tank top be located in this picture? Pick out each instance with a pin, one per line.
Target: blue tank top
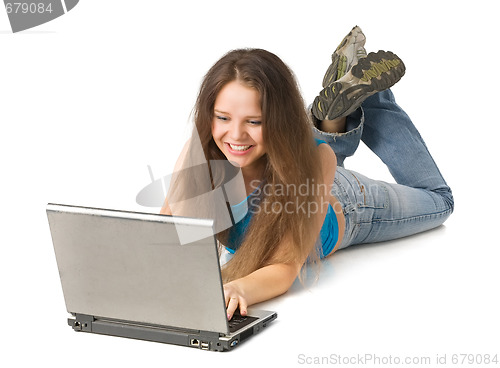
(242, 214)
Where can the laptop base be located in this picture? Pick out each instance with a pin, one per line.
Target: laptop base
(204, 340)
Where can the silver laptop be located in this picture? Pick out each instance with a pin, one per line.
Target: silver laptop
(128, 274)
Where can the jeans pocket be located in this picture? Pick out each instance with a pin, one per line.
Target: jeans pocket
(373, 194)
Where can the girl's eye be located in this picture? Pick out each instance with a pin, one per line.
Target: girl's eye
(223, 118)
(255, 122)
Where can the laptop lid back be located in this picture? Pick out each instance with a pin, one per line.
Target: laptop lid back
(133, 267)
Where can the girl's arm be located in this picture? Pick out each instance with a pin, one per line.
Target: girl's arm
(275, 279)
(263, 284)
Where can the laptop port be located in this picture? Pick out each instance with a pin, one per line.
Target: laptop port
(194, 342)
(204, 345)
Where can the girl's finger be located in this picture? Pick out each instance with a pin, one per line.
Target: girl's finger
(243, 307)
(232, 306)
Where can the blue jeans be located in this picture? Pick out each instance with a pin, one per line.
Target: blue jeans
(375, 210)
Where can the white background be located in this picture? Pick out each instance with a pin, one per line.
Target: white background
(90, 99)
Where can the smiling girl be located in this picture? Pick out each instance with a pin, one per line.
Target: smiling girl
(302, 203)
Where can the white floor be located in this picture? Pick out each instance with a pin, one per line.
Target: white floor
(87, 101)
(427, 297)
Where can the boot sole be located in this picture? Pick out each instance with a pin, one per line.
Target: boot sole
(375, 73)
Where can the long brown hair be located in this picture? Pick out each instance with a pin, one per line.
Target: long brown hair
(291, 159)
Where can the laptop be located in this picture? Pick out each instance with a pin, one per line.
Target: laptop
(130, 274)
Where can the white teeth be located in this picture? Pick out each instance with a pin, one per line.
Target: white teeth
(239, 148)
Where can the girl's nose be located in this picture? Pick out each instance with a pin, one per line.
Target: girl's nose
(237, 130)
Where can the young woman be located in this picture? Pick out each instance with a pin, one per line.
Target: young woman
(302, 203)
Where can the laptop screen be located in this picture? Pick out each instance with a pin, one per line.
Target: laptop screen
(131, 266)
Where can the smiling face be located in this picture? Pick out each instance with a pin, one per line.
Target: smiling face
(237, 127)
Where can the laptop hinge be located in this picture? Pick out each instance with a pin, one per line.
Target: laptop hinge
(83, 322)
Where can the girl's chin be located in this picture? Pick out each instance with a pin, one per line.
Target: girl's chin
(241, 164)
(234, 163)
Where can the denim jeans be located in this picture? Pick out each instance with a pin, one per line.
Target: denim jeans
(375, 210)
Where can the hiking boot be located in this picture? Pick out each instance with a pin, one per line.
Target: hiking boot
(376, 72)
(346, 55)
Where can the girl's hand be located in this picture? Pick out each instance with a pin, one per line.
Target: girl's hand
(262, 284)
(235, 299)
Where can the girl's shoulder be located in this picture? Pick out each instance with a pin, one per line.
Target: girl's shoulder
(328, 160)
(326, 152)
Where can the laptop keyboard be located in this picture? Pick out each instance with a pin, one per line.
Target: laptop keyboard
(239, 321)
